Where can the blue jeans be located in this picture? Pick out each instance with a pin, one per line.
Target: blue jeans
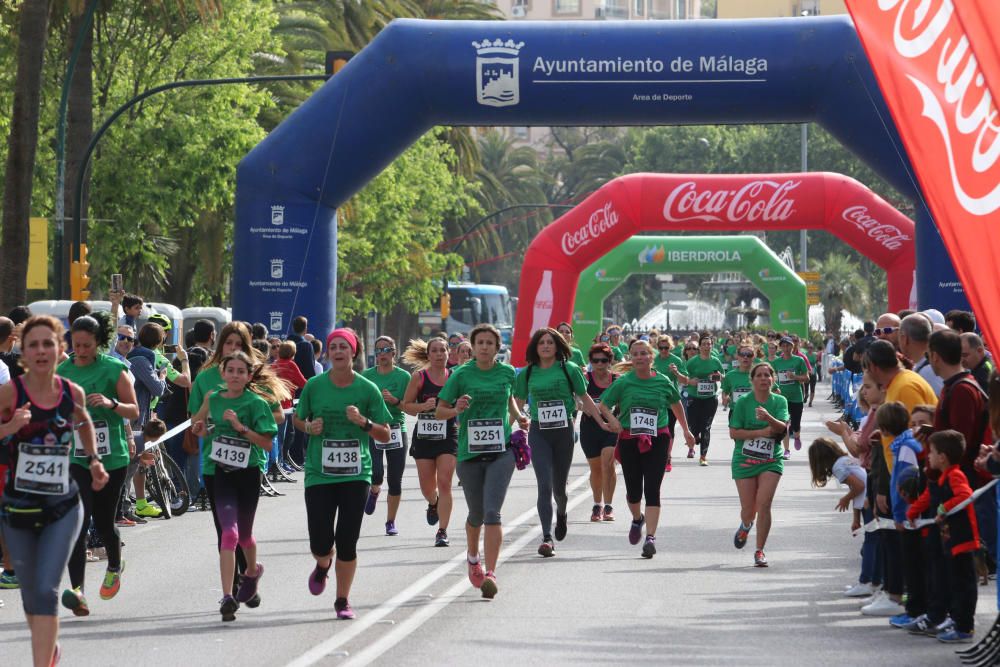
(870, 573)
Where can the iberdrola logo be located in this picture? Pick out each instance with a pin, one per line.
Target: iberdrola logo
(786, 318)
(765, 275)
(652, 255)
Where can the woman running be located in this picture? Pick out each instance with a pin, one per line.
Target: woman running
(464, 353)
(435, 442)
(669, 364)
(480, 394)
(40, 511)
(243, 433)
(111, 402)
(757, 423)
(554, 386)
(339, 410)
(392, 381)
(599, 443)
(576, 354)
(736, 384)
(792, 372)
(704, 373)
(643, 398)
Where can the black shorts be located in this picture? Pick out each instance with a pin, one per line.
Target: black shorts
(431, 449)
(594, 439)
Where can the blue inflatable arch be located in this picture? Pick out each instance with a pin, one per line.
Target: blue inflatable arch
(417, 74)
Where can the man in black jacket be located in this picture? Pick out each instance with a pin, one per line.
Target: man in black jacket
(304, 356)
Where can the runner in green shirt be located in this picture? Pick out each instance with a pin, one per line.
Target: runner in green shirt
(791, 373)
(338, 410)
(480, 394)
(391, 380)
(576, 354)
(756, 424)
(618, 346)
(736, 384)
(669, 364)
(704, 374)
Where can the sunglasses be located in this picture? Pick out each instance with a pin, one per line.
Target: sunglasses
(690, 349)
(746, 354)
(604, 339)
(122, 337)
(384, 350)
(614, 333)
(885, 331)
(600, 360)
(664, 347)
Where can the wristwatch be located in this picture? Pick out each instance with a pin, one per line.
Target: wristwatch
(91, 458)
(368, 425)
(114, 404)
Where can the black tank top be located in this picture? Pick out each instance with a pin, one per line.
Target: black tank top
(594, 390)
(48, 426)
(430, 390)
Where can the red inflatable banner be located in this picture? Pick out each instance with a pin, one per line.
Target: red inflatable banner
(937, 68)
(661, 203)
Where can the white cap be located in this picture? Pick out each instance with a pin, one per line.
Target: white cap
(934, 315)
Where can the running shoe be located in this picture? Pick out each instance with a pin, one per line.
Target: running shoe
(254, 602)
(112, 582)
(609, 513)
(944, 626)
(8, 580)
(596, 514)
(390, 528)
(884, 606)
(702, 461)
(901, 620)
(740, 538)
(370, 503)
(798, 443)
(441, 539)
(547, 549)
(788, 454)
(955, 637)
(690, 452)
(432, 514)
(635, 530)
(124, 522)
(759, 559)
(489, 587)
(476, 574)
(560, 531)
(228, 608)
(248, 585)
(317, 580)
(343, 607)
(859, 591)
(669, 467)
(144, 509)
(72, 599)
(649, 548)
(917, 626)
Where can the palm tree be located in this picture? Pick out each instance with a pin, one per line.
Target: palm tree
(841, 287)
(466, 10)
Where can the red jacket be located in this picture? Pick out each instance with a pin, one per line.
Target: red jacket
(952, 488)
(287, 370)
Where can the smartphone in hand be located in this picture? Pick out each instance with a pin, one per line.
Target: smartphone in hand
(117, 283)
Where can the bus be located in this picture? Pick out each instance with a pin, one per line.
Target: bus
(475, 303)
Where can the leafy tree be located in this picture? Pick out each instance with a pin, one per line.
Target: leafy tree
(840, 288)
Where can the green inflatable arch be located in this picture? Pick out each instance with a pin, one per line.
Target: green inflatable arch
(748, 255)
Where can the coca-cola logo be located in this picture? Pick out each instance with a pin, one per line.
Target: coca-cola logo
(761, 201)
(890, 236)
(599, 222)
(969, 129)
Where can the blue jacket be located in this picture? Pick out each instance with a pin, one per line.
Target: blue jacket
(148, 384)
(905, 450)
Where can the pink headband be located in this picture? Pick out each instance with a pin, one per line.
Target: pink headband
(351, 339)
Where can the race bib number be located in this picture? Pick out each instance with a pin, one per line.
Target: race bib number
(642, 421)
(740, 392)
(706, 387)
(551, 414)
(42, 469)
(395, 438)
(485, 436)
(230, 453)
(429, 428)
(735, 363)
(759, 448)
(785, 377)
(341, 458)
(102, 437)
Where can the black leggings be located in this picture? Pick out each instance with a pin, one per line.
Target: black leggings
(234, 497)
(323, 501)
(103, 506)
(241, 559)
(700, 413)
(643, 472)
(794, 418)
(397, 462)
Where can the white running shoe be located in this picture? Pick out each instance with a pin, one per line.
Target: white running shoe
(859, 591)
(884, 606)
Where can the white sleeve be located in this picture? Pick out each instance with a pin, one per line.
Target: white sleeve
(4, 373)
(907, 455)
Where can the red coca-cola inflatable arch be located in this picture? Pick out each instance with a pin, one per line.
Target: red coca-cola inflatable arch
(726, 203)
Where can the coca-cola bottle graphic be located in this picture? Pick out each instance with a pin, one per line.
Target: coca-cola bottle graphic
(914, 303)
(542, 313)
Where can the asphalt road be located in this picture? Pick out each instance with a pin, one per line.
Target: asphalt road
(698, 602)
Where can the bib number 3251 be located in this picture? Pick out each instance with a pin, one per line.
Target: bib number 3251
(642, 421)
(485, 436)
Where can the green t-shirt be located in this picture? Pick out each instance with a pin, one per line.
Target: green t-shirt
(576, 356)
(653, 393)
(661, 365)
(783, 370)
(623, 348)
(101, 377)
(759, 451)
(736, 384)
(702, 369)
(811, 356)
(395, 381)
(346, 457)
(550, 384)
(617, 353)
(206, 380)
(490, 392)
(253, 412)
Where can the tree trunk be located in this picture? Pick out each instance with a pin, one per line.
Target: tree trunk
(183, 266)
(79, 116)
(21, 146)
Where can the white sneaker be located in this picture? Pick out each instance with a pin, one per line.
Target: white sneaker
(876, 596)
(884, 606)
(859, 591)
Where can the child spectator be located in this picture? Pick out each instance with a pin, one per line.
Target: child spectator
(958, 531)
(828, 459)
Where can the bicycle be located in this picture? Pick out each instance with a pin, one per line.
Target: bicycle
(165, 482)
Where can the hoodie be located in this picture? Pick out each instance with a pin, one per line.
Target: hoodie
(905, 449)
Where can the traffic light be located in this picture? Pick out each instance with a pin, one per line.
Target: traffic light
(79, 281)
(445, 306)
(335, 60)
